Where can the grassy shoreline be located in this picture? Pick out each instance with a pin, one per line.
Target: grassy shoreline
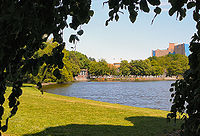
(51, 114)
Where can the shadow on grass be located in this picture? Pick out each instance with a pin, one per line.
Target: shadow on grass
(142, 126)
(55, 86)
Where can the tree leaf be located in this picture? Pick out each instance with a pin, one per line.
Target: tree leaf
(157, 10)
(172, 11)
(14, 110)
(111, 13)
(116, 17)
(2, 99)
(80, 32)
(76, 38)
(132, 17)
(91, 13)
(72, 38)
(191, 5)
(57, 74)
(12, 100)
(154, 2)
(106, 23)
(1, 111)
(60, 65)
(144, 6)
(4, 128)
(18, 92)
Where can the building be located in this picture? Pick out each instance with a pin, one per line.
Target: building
(82, 76)
(174, 48)
(115, 65)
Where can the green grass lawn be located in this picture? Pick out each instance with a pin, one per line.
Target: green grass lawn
(54, 115)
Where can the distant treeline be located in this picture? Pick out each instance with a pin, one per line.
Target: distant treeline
(170, 65)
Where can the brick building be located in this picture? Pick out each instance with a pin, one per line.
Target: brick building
(174, 48)
(116, 65)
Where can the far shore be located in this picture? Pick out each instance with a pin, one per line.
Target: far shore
(132, 79)
(49, 83)
(127, 79)
(54, 84)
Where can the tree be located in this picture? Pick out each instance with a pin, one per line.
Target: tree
(73, 63)
(45, 72)
(157, 70)
(125, 68)
(174, 64)
(134, 67)
(103, 67)
(98, 68)
(93, 68)
(173, 69)
(91, 59)
(78, 58)
(83, 59)
(26, 24)
(140, 67)
(113, 70)
(146, 66)
(185, 92)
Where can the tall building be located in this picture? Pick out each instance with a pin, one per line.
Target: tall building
(174, 48)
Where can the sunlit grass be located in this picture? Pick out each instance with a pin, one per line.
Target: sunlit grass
(51, 114)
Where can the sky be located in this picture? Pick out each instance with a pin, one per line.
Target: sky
(123, 40)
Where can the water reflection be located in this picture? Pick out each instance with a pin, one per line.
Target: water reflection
(140, 94)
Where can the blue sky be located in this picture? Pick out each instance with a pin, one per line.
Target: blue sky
(123, 40)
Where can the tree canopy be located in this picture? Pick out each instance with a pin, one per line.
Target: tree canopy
(26, 24)
(73, 62)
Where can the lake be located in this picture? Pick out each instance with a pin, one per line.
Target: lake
(154, 94)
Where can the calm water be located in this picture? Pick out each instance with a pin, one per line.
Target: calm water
(154, 95)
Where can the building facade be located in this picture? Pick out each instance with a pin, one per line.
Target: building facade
(174, 48)
(82, 76)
